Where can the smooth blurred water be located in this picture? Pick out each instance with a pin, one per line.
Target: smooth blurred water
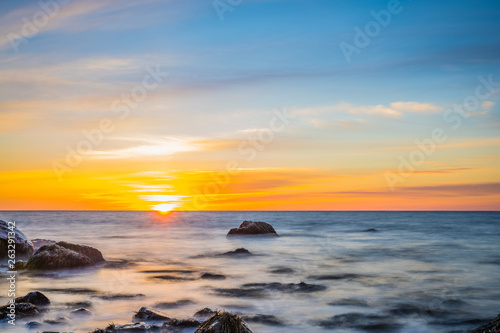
(421, 272)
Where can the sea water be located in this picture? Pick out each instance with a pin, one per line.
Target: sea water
(419, 272)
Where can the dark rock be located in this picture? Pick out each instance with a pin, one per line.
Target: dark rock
(58, 321)
(173, 278)
(223, 322)
(182, 271)
(410, 309)
(81, 312)
(253, 228)
(32, 325)
(136, 327)
(114, 297)
(210, 276)
(263, 319)
(242, 292)
(371, 230)
(64, 255)
(301, 287)
(206, 312)
(491, 327)
(347, 276)
(366, 322)
(34, 297)
(38, 242)
(282, 270)
(181, 323)
(20, 265)
(83, 304)
(149, 314)
(24, 247)
(22, 310)
(176, 304)
(72, 291)
(238, 252)
(349, 302)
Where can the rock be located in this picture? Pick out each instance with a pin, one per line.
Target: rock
(175, 304)
(132, 327)
(210, 276)
(24, 247)
(32, 325)
(114, 297)
(58, 321)
(301, 287)
(20, 265)
(38, 242)
(21, 310)
(238, 252)
(181, 323)
(253, 228)
(206, 312)
(491, 327)
(34, 297)
(82, 312)
(282, 270)
(263, 319)
(371, 230)
(64, 255)
(223, 322)
(149, 314)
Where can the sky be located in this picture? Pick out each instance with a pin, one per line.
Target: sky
(249, 105)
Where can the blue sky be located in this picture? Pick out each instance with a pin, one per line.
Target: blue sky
(226, 76)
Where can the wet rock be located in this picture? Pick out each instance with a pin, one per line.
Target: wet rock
(34, 297)
(22, 310)
(24, 247)
(182, 271)
(20, 265)
(119, 264)
(360, 321)
(210, 276)
(38, 242)
(263, 319)
(253, 228)
(206, 312)
(491, 327)
(72, 291)
(58, 321)
(410, 309)
(301, 287)
(173, 278)
(64, 255)
(136, 327)
(238, 252)
(33, 325)
(181, 323)
(223, 322)
(114, 297)
(348, 276)
(242, 292)
(83, 304)
(349, 302)
(282, 270)
(149, 314)
(82, 312)
(176, 304)
(371, 230)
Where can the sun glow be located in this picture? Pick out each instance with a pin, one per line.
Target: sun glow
(164, 208)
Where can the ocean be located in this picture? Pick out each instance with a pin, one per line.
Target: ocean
(419, 272)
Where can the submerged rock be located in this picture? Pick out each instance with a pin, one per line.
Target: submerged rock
(64, 255)
(263, 319)
(150, 314)
(82, 312)
(253, 228)
(58, 321)
(371, 230)
(181, 323)
(24, 247)
(210, 276)
(301, 287)
(360, 321)
(206, 312)
(223, 322)
(32, 325)
(175, 304)
(22, 310)
(238, 252)
(130, 327)
(491, 327)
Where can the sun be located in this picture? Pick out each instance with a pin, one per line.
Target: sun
(164, 208)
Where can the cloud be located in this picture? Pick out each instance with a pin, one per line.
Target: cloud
(415, 107)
